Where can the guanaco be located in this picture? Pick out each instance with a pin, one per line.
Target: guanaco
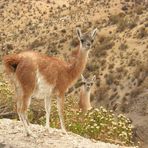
(37, 75)
(85, 91)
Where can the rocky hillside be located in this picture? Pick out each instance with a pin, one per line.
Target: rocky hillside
(118, 58)
(12, 136)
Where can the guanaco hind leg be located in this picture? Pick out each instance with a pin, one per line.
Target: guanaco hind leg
(22, 107)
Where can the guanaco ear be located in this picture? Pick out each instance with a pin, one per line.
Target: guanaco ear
(93, 33)
(94, 78)
(82, 78)
(79, 33)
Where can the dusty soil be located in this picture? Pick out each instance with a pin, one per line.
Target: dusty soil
(12, 136)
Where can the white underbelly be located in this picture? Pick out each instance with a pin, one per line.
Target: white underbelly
(42, 89)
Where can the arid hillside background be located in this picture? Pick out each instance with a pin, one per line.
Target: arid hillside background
(119, 57)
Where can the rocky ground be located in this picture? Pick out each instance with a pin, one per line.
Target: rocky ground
(12, 136)
(118, 58)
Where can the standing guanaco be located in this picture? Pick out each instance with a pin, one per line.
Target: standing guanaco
(37, 75)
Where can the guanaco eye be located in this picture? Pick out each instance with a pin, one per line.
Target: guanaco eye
(83, 83)
(82, 40)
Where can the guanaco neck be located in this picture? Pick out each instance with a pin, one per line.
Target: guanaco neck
(84, 100)
(78, 65)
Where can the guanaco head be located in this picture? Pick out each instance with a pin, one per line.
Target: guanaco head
(88, 83)
(87, 39)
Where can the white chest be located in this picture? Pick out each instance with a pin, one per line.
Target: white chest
(42, 89)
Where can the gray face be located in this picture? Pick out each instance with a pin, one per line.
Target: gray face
(86, 40)
(88, 83)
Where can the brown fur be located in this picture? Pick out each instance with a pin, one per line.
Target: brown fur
(9, 61)
(56, 72)
(84, 100)
(75, 53)
(85, 92)
(33, 72)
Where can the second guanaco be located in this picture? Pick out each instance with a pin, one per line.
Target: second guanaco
(85, 92)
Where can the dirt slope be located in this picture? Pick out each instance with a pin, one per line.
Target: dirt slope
(11, 135)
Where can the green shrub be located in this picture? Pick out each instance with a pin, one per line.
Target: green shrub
(6, 102)
(139, 9)
(122, 22)
(114, 19)
(101, 124)
(142, 32)
(98, 124)
(123, 46)
(104, 43)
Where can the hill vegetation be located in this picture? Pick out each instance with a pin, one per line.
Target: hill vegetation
(118, 57)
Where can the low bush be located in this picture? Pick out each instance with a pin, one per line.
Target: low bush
(123, 46)
(123, 22)
(6, 102)
(142, 32)
(98, 123)
(104, 43)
